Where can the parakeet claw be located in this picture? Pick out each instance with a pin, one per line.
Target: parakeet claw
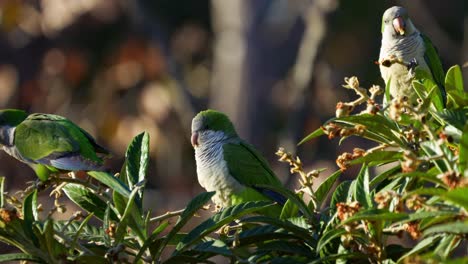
(57, 192)
(33, 185)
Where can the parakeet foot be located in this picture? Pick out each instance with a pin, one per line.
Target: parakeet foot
(33, 185)
(57, 192)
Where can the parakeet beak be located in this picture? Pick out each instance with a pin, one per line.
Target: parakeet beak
(194, 139)
(399, 25)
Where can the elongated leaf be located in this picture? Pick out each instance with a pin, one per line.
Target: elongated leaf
(194, 205)
(2, 192)
(422, 245)
(384, 175)
(290, 209)
(30, 215)
(19, 257)
(341, 193)
(458, 196)
(425, 215)
(328, 237)
(317, 133)
(378, 158)
(463, 158)
(454, 79)
(361, 191)
(455, 117)
(452, 228)
(220, 219)
(325, 186)
(87, 200)
(30, 208)
(131, 217)
(186, 259)
(374, 123)
(432, 148)
(217, 247)
(286, 247)
(136, 163)
(293, 197)
(110, 181)
(262, 233)
(375, 215)
(87, 232)
(300, 232)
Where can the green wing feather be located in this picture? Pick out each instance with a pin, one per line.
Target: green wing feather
(432, 59)
(248, 166)
(42, 135)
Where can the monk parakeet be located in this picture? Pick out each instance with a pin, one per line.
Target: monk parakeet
(403, 50)
(227, 164)
(48, 143)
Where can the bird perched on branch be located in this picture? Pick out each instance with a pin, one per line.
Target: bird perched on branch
(49, 143)
(404, 52)
(229, 165)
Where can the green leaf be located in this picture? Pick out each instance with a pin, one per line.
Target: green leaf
(290, 195)
(452, 228)
(455, 117)
(446, 245)
(378, 158)
(194, 205)
(341, 193)
(422, 245)
(87, 200)
(425, 215)
(19, 256)
(30, 215)
(326, 185)
(361, 191)
(317, 133)
(329, 236)
(262, 233)
(30, 208)
(216, 221)
(376, 124)
(432, 148)
(463, 156)
(110, 181)
(87, 232)
(289, 210)
(136, 164)
(454, 79)
(131, 217)
(375, 215)
(285, 246)
(302, 233)
(2, 192)
(384, 175)
(454, 86)
(80, 230)
(216, 247)
(458, 196)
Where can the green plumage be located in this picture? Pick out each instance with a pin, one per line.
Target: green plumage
(247, 166)
(230, 166)
(52, 135)
(48, 143)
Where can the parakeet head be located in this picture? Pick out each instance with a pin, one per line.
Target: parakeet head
(396, 23)
(11, 117)
(209, 126)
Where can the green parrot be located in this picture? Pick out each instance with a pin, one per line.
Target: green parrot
(49, 143)
(404, 52)
(228, 165)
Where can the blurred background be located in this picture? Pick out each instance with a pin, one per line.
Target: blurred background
(120, 67)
